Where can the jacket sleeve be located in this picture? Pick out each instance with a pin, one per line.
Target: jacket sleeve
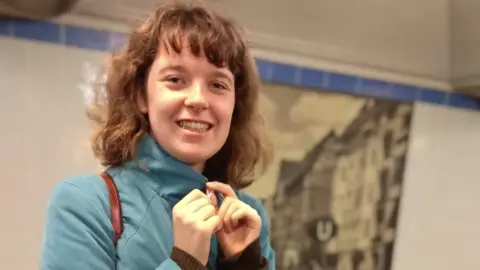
(259, 255)
(265, 244)
(78, 235)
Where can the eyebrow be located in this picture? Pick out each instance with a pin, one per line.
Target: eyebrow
(220, 74)
(178, 68)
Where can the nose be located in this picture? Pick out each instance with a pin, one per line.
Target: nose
(196, 98)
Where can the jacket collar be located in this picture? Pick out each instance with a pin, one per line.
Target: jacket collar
(170, 178)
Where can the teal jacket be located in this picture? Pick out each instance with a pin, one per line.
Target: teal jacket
(78, 230)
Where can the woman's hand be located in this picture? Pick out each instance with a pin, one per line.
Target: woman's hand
(194, 222)
(241, 223)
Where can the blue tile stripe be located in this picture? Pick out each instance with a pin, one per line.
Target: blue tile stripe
(321, 80)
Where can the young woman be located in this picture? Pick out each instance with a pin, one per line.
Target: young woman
(178, 120)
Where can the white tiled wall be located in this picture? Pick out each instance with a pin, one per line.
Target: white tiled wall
(43, 138)
(439, 223)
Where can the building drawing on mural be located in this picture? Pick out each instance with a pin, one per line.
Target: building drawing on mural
(337, 208)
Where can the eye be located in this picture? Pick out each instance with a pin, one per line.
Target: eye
(219, 86)
(174, 79)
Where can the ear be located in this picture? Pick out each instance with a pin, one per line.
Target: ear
(142, 102)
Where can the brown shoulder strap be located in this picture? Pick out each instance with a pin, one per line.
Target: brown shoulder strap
(115, 208)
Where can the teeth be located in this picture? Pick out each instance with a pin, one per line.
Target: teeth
(194, 126)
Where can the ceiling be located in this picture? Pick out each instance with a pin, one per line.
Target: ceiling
(125, 12)
(367, 37)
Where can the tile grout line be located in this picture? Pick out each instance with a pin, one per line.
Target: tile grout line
(271, 66)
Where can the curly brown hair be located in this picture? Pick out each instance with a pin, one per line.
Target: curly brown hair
(224, 43)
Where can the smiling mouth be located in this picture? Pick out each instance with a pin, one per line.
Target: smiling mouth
(194, 126)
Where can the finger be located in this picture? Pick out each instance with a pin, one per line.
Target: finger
(194, 206)
(246, 213)
(224, 189)
(192, 196)
(205, 212)
(227, 218)
(219, 226)
(211, 224)
(238, 215)
(224, 207)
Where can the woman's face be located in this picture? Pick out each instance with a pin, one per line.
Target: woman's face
(189, 104)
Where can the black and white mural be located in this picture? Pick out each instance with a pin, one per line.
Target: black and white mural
(334, 191)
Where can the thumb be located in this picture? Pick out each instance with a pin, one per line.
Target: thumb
(213, 198)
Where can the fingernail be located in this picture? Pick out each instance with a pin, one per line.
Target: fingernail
(209, 193)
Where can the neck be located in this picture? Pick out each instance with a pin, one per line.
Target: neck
(198, 167)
